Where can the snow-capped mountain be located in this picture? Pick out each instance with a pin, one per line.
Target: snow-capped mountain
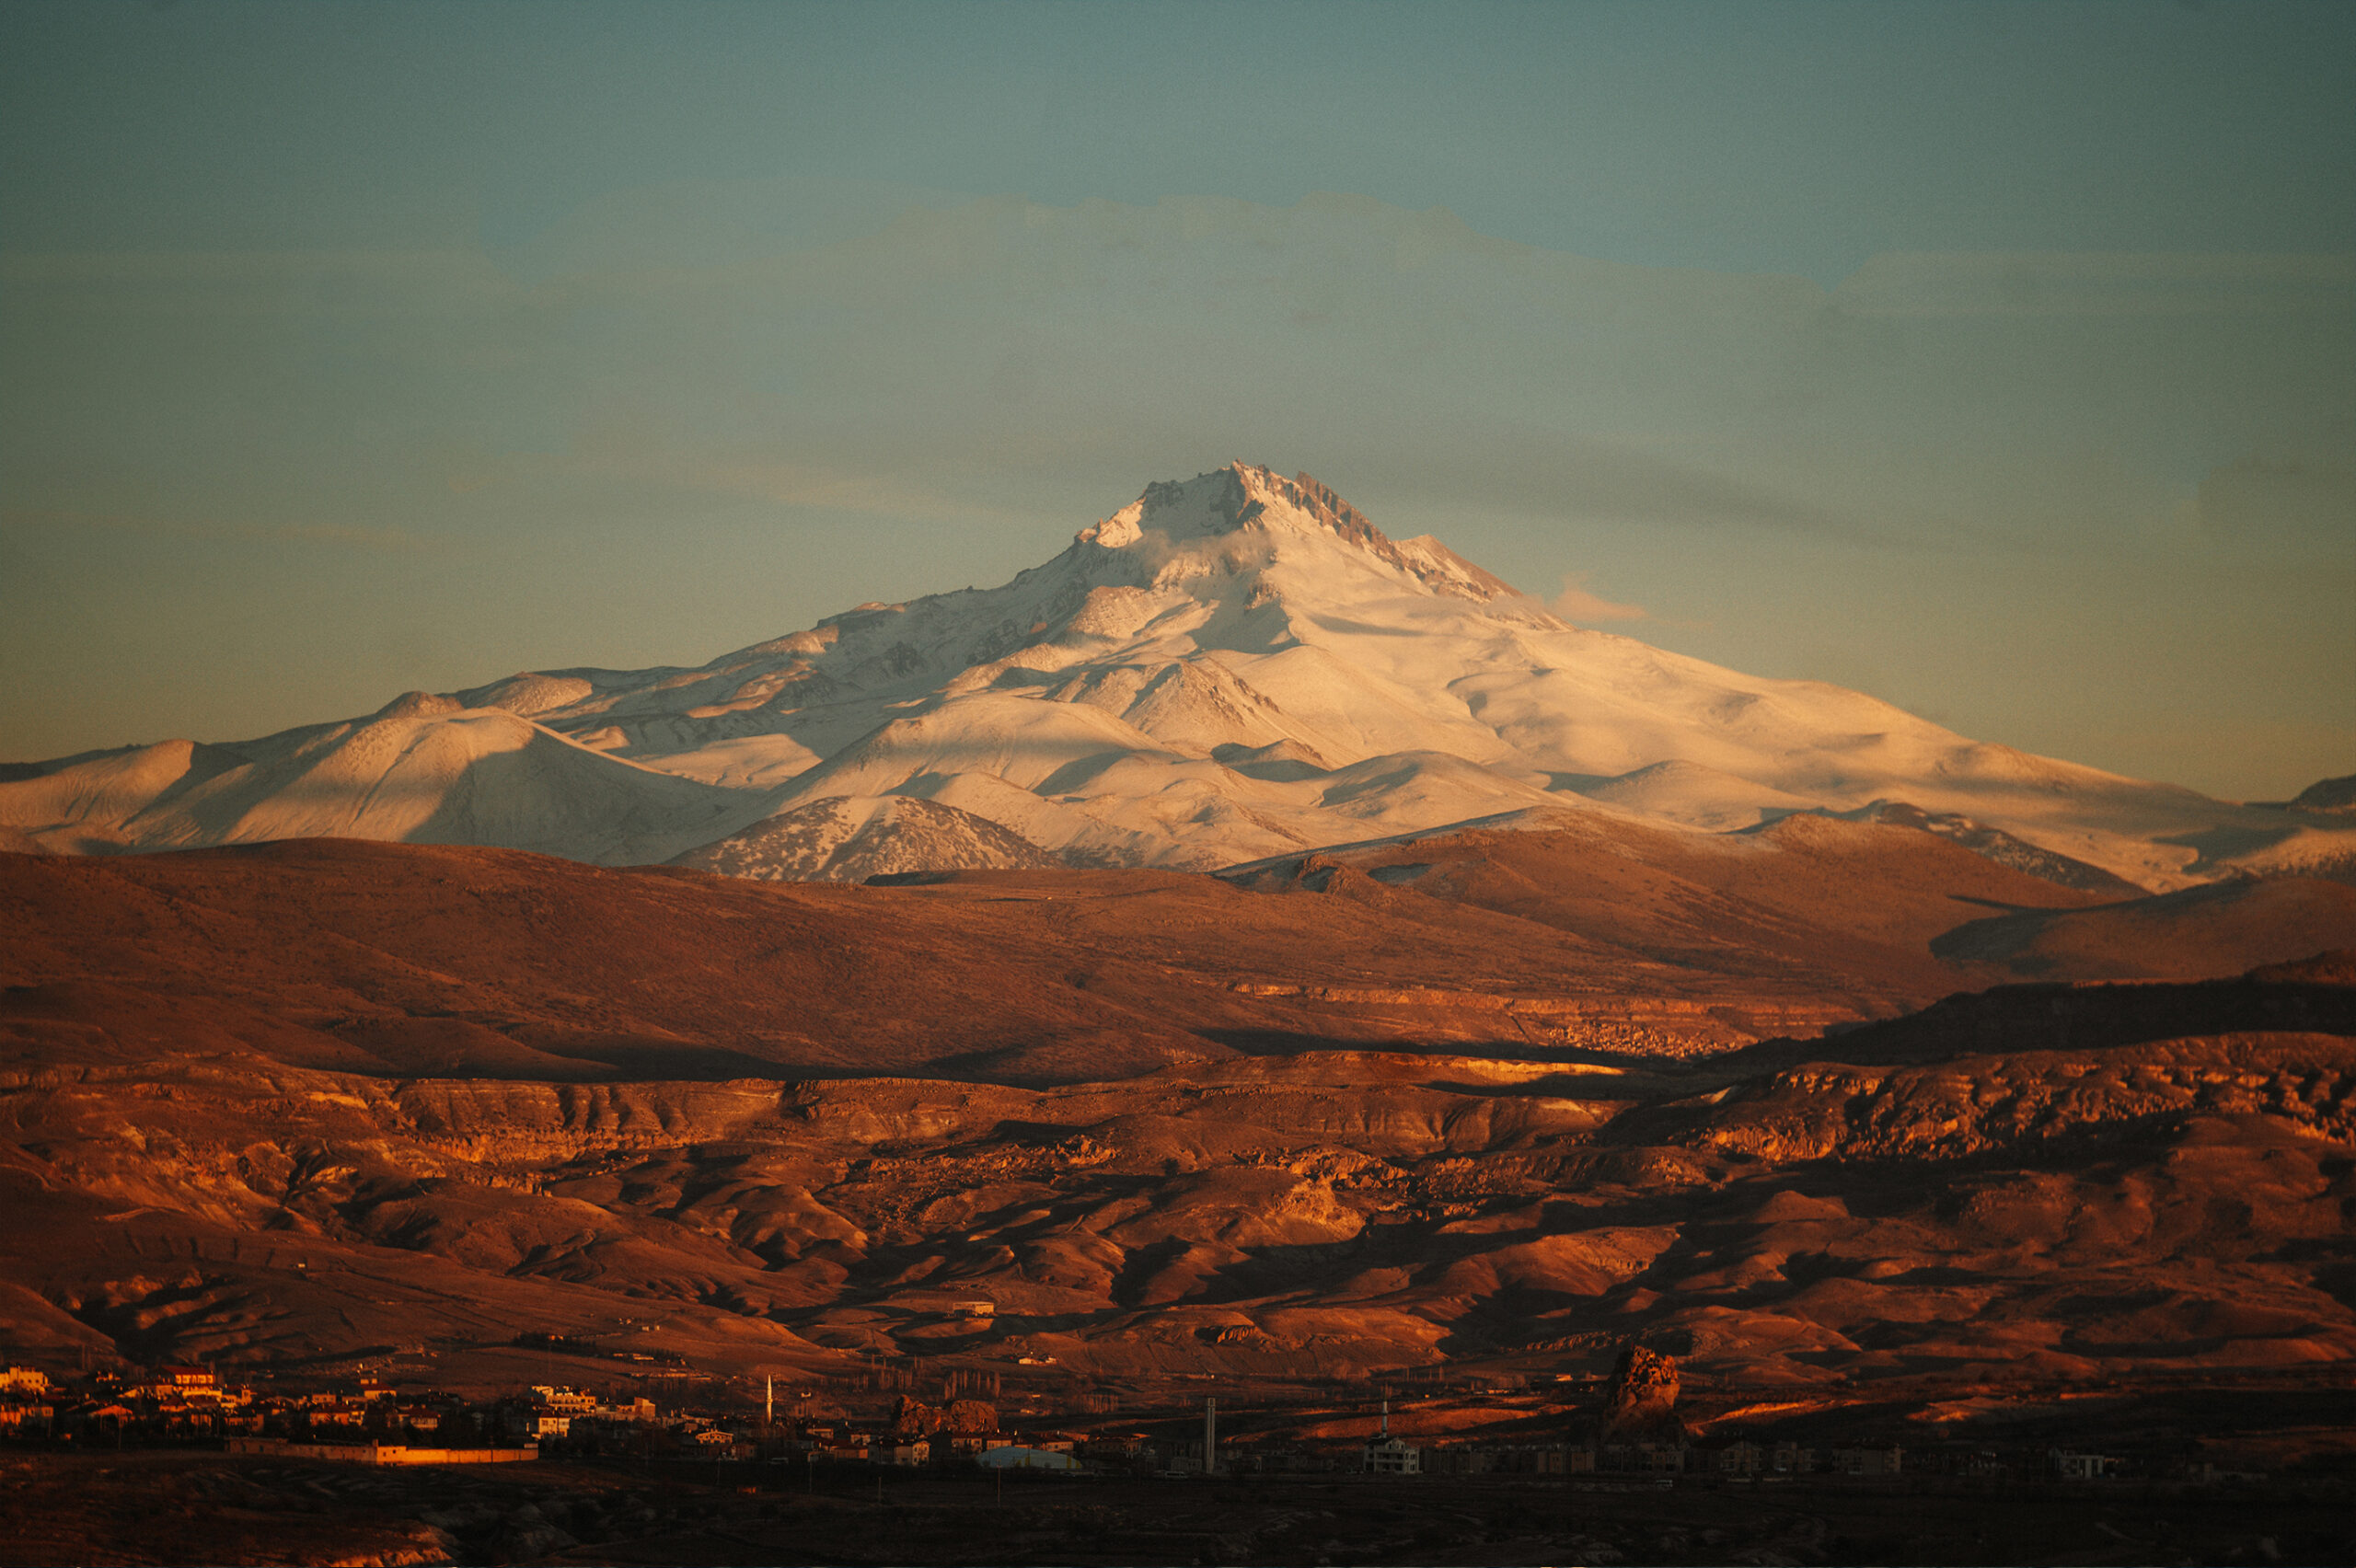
(422, 768)
(1225, 669)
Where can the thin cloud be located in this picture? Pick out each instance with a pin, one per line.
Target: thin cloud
(1579, 604)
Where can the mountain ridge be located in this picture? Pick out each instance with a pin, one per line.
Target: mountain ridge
(1230, 667)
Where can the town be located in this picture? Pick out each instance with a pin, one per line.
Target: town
(612, 1456)
(368, 1418)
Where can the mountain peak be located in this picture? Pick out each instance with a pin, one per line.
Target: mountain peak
(1233, 666)
(1245, 497)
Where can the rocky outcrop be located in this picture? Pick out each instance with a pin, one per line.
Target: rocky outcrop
(846, 840)
(1640, 1402)
(1975, 1106)
(2004, 849)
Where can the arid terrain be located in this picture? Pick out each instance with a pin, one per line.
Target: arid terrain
(320, 1100)
(712, 853)
(1880, 1138)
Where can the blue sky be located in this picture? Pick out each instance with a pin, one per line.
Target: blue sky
(1996, 358)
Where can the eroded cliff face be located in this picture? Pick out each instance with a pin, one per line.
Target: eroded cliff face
(1640, 1400)
(2071, 1209)
(2025, 1105)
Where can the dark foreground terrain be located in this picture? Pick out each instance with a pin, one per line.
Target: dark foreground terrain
(173, 1508)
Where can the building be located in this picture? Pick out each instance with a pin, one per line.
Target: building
(1014, 1456)
(1868, 1462)
(1740, 1459)
(1390, 1456)
(22, 1380)
(2082, 1467)
(380, 1453)
(1514, 1458)
(966, 1444)
(1127, 1453)
(565, 1401)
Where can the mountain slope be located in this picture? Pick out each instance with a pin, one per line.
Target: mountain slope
(1229, 668)
(423, 769)
(348, 956)
(1240, 641)
(1822, 896)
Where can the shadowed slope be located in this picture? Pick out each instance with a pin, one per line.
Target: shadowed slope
(402, 959)
(2217, 928)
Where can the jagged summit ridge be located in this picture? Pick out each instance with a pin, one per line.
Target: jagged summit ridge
(1244, 496)
(1229, 668)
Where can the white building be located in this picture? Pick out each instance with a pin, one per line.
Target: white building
(1014, 1456)
(23, 1380)
(1391, 1455)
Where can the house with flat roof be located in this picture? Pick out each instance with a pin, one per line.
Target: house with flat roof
(23, 1380)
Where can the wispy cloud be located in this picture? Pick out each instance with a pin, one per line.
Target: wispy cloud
(1578, 603)
(651, 461)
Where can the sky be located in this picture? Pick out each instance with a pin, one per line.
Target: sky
(1998, 359)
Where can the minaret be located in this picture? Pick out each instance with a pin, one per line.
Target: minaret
(1211, 1436)
(768, 1403)
(1386, 1422)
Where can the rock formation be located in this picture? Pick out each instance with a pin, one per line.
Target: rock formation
(913, 1418)
(1640, 1402)
(970, 1418)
